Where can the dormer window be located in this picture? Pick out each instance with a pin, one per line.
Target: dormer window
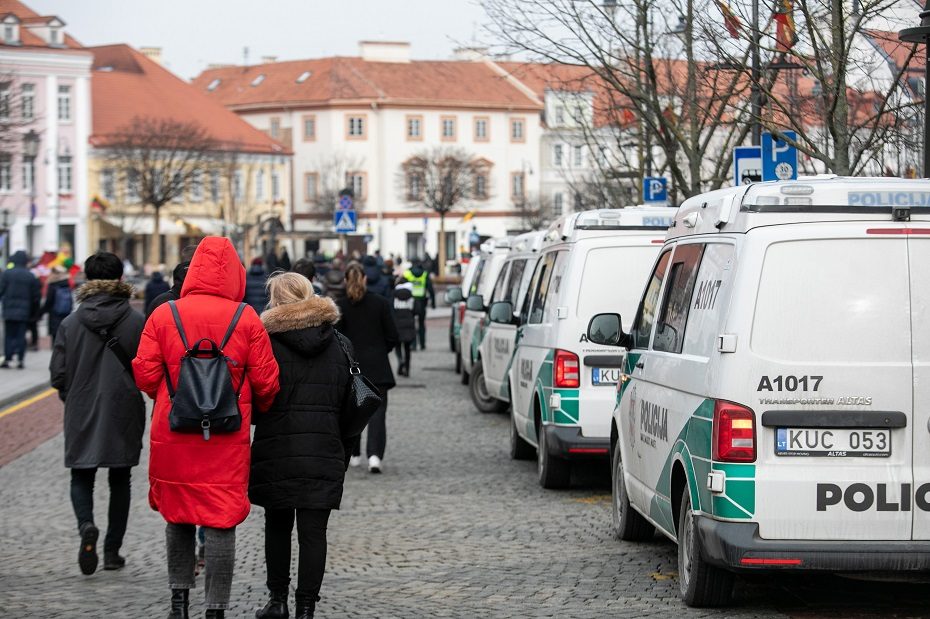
(258, 80)
(53, 36)
(303, 77)
(213, 85)
(11, 30)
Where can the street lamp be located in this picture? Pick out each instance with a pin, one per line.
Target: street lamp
(30, 152)
(921, 34)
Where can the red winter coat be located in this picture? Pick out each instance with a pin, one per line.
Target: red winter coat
(194, 481)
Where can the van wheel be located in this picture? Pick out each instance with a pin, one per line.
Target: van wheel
(479, 391)
(519, 449)
(554, 473)
(701, 584)
(629, 524)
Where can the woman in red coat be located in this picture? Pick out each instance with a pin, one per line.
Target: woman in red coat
(193, 481)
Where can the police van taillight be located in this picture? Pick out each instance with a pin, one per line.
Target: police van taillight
(566, 371)
(734, 433)
(461, 312)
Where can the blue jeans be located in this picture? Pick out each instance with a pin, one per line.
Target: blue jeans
(14, 339)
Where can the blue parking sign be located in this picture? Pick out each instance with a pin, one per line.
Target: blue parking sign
(655, 189)
(779, 159)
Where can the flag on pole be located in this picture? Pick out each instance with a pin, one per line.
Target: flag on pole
(785, 33)
(730, 19)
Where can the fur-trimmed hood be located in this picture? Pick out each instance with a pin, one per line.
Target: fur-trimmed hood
(110, 287)
(314, 312)
(103, 303)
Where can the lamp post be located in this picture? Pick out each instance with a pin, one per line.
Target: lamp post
(30, 152)
(921, 34)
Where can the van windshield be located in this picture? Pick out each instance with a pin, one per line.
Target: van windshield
(612, 280)
(834, 300)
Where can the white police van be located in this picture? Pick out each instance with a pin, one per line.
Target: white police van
(455, 298)
(773, 411)
(561, 385)
(474, 321)
(488, 384)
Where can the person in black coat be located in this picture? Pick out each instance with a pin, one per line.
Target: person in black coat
(177, 277)
(21, 293)
(367, 320)
(58, 300)
(156, 287)
(255, 280)
(376, 280)
(406, 325)
(104, 411)
(298, 455)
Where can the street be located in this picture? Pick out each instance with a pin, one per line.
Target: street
(453, 528)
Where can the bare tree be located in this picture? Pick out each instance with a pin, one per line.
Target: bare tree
(156, 159)
(439, 179)
(536, 211)
(332, 176)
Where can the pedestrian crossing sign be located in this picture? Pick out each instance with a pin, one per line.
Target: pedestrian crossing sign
(344, 221)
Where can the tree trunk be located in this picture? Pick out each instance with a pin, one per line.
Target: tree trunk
(156, 238)
(840, 116)
(441, 256)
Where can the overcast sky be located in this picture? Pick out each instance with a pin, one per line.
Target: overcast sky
(195, 33)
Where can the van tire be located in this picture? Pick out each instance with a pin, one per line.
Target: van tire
(554, 473)
(478, 390)
(464, 376)
(519, 449)
(701, 585)
(629, 524)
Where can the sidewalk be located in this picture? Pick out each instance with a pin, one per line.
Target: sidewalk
(16, 385)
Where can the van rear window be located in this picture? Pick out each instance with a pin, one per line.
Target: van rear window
(613, 279)
(834, 300)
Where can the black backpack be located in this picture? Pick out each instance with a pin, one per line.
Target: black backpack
(204, 400)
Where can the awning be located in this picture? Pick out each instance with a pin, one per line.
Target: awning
(144, 225)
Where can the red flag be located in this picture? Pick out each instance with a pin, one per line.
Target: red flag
(730, 20)
(785, 34)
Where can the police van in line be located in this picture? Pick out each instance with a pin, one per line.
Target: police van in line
(455, 298)
(488, 384)
(774, 405)
(561, 385)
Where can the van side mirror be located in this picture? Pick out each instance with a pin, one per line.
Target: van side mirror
(454, 295)
(605, 329)
(501, 313)
(475, 303)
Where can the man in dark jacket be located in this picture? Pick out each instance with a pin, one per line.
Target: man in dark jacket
(377, 282)
(255, 293)
(156, 287)
(21, 292)
(104, 411)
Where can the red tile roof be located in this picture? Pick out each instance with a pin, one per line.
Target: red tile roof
(28, 16)
(350, 80)
(896, 51)
(127, 85)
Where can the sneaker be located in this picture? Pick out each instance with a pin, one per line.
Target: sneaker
(87, 556)
(374, 464)
(4, 366)
(355, 461)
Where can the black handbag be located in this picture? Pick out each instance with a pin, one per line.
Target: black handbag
(363, 398)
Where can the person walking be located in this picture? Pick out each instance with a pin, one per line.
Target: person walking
(20, 292)
(422, 293)
(305, 267)
(177, 281)
(406, 325)
(156, 287)
(368, 322)
(193, 481)
(255, 293)
(58, 300)
(377, 282)
(298, 455)
(104, 412)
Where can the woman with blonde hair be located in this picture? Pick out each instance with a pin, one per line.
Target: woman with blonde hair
(368, 320)
(299, 451)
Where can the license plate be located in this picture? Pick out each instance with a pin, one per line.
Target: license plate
(833, 442)
(605, 376)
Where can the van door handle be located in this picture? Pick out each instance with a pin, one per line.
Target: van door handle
(640, 365)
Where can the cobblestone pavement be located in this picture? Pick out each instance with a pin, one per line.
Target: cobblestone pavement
(453, 528)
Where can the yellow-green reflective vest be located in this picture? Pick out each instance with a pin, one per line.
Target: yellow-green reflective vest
(419, 283)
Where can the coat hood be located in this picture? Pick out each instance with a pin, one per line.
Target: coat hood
(104, 302)
(373, 273)
(157, 277)
(305, 327)
(19, 259)
(402, 293)
(215, 270)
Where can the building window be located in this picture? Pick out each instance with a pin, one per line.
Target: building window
(557, 155)
(481, 129)
(197, 186)
(64, 103)
(275, 186)
(215, 186)
(133, 191)
(579, 201)
(177, 188)
(447, 125)
(29, 174)
(260, 185)
(53, 36)
(481, 185)
(9, 34)
(578, 159)
(517, 130)
(559, 115)
(558, 204)
(356, 180)
(237, 185)
(309, 128)
(311, 186)
(64, 175)
(414, 186)
(356, 127)
(5, 100)
(275, 127)
(107, 184)
(29, 101)
(414, 128)
(517, 185)
(6, 173)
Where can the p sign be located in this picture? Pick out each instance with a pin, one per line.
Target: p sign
(655, 189)
(779, 159)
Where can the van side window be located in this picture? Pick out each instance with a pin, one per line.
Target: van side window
(476, 280)
(540, 287)
(516, 277)
(500, 286)
(670, 331)
(642, 326)
(555, 286)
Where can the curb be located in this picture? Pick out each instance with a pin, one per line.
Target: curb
(23, 394)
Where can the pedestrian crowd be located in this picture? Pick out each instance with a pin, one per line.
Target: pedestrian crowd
(302, 353)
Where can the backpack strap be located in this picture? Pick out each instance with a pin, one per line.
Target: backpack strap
(232, 325)
(112, 343)
(177, 322)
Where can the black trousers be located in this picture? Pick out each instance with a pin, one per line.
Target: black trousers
(82, 499)
(419, 313)
(402, 350)
(14, 339)
(311, 540)
(377, 431)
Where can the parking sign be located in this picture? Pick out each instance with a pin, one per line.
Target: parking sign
(655, 189)
(779, 159)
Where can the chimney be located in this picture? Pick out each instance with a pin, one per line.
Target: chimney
(269, 59)
(384, 51)
(152, 53)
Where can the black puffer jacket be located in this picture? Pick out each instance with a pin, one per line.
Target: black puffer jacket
(298, 456)
(370, 325)
(20, 290)
(255, 293)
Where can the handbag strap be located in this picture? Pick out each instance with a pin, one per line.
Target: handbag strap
(112, 343)
(344, 342)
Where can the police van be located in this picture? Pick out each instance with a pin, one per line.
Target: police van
(561, 385)
(455, 298)
(474, 320)
(488, 384)
(774, 405)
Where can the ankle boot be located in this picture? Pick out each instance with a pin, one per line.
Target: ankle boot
(276, 608)
(179, 602)
(304, 609)
(215, 613)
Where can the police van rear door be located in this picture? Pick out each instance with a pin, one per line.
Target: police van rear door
(919, 250)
